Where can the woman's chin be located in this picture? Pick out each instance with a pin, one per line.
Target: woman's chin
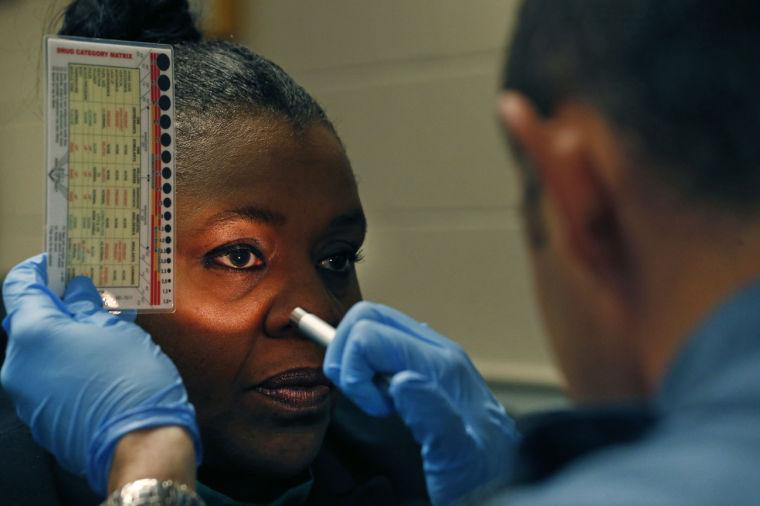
(272, 450)
(288, 456)
(260, 467)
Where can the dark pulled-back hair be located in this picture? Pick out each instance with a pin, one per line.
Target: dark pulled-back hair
(679, 78)
(214, 80)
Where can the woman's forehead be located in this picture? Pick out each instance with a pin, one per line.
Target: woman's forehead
(278, 171)
(271, 151)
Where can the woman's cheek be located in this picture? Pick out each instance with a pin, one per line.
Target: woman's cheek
(200, 285)
(206, 358)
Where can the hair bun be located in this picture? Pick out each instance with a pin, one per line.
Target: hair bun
(165, 21)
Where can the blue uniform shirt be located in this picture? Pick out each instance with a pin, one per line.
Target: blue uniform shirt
(696, 443)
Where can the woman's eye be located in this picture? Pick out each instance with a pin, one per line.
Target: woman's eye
(239, 258)
(340, 263)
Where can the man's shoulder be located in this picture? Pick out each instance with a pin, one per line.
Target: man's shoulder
(712, 460)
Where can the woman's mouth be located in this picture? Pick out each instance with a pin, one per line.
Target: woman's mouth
(304, 389)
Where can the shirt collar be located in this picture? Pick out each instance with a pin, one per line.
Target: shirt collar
(720, 362)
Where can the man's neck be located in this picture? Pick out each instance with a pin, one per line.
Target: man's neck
(688, 274)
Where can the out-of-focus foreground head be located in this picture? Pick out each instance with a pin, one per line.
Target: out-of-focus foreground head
(636, 123)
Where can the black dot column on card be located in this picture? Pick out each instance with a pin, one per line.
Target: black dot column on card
(163, 82)
(162, 61)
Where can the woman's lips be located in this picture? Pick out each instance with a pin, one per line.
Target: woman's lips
(299, 389)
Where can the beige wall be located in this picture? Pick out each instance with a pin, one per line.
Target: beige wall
(410, 86)
(21, 135)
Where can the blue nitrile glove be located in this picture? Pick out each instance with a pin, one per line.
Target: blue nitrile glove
(82, 378)
(468, 441)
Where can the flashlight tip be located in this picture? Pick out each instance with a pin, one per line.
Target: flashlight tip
(296, 315)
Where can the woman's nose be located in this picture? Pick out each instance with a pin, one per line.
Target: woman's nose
(301, 288)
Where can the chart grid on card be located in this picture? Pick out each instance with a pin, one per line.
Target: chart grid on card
(104, 175)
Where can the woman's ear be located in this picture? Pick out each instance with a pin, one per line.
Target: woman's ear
(578, 204)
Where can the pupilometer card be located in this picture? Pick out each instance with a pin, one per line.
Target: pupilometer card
(110, 169)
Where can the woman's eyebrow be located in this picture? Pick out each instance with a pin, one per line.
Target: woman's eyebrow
(250, 213)
(352, 219)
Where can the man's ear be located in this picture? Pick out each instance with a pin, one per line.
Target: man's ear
(578, 203)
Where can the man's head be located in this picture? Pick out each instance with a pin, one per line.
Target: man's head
(637, 123)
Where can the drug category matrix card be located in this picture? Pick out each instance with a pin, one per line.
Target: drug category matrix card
(110, 169)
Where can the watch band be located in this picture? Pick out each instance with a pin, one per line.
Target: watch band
(152, 492)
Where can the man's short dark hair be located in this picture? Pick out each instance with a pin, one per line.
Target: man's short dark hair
(679, 78)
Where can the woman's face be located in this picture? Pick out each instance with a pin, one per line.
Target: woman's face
(282, 228)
